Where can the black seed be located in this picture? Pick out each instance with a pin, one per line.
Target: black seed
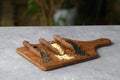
(76, 48)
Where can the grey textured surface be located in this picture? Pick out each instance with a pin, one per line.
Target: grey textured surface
(15, 67)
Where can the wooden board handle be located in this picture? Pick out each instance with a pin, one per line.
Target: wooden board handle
(101, 42)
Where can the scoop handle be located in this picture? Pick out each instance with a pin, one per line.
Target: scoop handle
(63, 42)
(31, 48)
(48, 45)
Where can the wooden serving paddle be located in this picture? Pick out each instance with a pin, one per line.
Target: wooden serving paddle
(75, 51)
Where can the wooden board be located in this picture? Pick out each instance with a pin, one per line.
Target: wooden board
(88, 46)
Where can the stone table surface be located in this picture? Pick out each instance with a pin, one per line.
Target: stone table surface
(15, 67)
